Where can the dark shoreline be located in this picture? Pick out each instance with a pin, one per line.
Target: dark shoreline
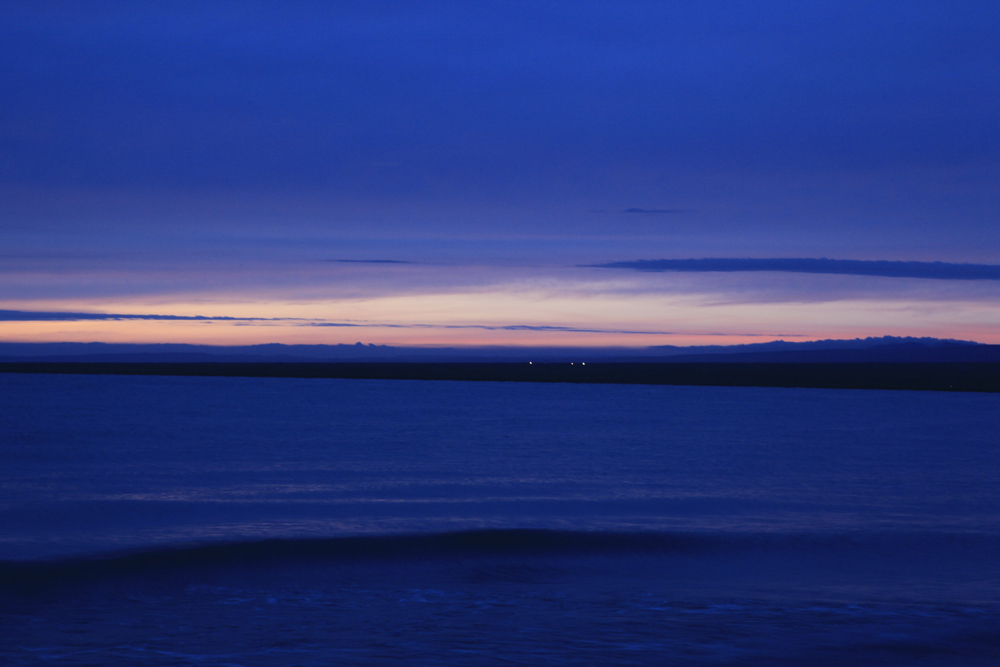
(979, 377)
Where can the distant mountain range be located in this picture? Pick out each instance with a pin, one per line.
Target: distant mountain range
(883, 349)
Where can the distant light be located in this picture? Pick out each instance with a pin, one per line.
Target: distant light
(529, 363)
(583, 363)
(571, 363)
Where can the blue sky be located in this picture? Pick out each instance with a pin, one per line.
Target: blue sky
(211, 158)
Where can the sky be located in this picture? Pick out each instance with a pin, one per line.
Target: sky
(499, 173)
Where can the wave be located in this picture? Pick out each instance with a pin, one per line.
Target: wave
(32, 575)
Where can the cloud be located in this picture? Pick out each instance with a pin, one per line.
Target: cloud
(544, 328)
(59, 316)
(853, 267)
(52, 316)
(657, 210)
(368, 261)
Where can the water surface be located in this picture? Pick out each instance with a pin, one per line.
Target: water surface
(491, 523)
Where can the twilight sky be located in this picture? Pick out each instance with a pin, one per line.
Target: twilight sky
(459, 173)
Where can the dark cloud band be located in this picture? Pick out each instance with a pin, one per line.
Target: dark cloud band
(368, 261)
(850, 267)
(656, 211)
(56, 316)
(530, 327)
(59, 316)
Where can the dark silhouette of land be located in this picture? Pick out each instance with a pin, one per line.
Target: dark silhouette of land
(982, 376)
(881, 349)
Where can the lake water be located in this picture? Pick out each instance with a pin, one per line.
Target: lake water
(252, 521)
